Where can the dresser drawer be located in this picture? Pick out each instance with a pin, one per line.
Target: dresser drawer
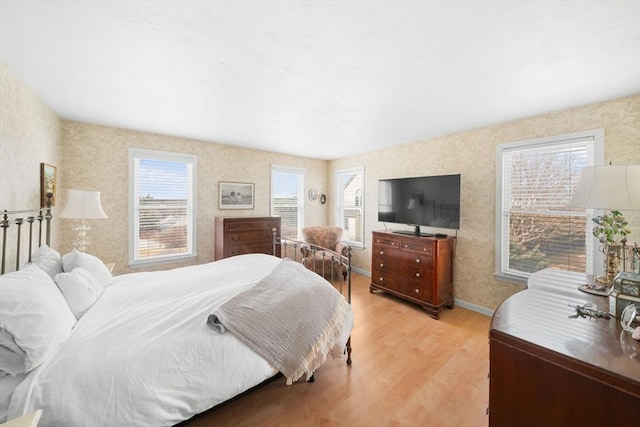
(414, 260)
(248, 248)
(424, 249)
(384, 278)
(385, 242)
(419, 290)
(248, 236)
(247, 226)
(418, 272)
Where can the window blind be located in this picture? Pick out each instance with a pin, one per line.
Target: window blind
(538, 229)
(350, 201)
(163, 205)
(287, 199)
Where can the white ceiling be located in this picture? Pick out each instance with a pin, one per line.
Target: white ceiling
(323, 79)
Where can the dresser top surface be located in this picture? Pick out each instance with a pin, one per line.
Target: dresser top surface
(544, 316)
(399, 234)
(247, 218)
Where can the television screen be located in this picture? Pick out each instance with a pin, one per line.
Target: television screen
(432, 201)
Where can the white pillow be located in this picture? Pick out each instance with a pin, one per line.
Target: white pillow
(90, 263)
(33, 315)
(49, 260)
(80, 289)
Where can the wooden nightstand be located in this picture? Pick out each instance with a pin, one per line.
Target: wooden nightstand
(28, 420)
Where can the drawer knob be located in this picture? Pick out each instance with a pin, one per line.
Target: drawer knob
(381, 252)
(382, 279)
(418, 260)
(381, 265)
(416, 290)
(417, 274)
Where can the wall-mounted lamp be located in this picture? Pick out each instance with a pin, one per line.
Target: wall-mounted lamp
(82, 205)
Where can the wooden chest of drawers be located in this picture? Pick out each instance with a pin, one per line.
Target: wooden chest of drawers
(237, 236)
(416, 268)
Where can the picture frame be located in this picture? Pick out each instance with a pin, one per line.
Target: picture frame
(236, 195)
(48, 183)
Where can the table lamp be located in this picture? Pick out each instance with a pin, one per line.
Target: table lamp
(82, 205)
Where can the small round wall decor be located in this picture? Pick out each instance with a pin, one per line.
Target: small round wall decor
(313, 195)
(323, 199)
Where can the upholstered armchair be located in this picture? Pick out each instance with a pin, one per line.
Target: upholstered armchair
(327, 237)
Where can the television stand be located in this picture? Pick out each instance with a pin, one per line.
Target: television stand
(414, 268)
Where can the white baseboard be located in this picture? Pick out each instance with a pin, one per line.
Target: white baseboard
(473, 307)
(460, 303)
(361, 271)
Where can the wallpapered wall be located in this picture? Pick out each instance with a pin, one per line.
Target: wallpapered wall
(96, 158)
(472, 154)
(93, 157)
(29, 135)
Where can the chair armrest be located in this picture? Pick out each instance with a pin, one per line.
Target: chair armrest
(305, 250)
(341, 248)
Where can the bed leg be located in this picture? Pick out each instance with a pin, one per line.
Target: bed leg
(349, 351)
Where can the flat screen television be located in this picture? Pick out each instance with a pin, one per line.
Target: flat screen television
(432, 201)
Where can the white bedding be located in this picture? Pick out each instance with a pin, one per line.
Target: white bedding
(144, 355)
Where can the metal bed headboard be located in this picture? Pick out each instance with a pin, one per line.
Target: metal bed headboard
(339, 265)
(19, 217)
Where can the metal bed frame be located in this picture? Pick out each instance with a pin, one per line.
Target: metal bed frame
(339, 264)
(18, 217)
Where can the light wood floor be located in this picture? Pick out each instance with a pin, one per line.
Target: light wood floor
(408, 370)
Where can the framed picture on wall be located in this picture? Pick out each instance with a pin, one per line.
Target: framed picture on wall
(236, 195)
(48, 183)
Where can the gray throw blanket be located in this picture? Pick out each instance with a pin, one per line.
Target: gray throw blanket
(292, 318)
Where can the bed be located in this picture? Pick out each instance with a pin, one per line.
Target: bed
(156, 348)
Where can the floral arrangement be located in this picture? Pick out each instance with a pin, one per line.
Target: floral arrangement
(611, 231)
(611, 228)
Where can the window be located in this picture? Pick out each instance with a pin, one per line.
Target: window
(287, 199)
(534, 227)
(350, 205)
(162, 205)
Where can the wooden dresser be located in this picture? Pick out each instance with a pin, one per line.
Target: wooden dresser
(548, 368)
(245, 235)
(416, 268)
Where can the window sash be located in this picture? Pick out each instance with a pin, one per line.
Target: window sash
(162, 206)
(535, 227)
(287, 199)
(350, 205)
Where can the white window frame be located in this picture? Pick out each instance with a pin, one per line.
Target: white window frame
(340, 209)
(302, 176)
(134, 259)
(502, 218)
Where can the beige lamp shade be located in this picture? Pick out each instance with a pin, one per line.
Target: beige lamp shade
(608, 187)
(82, 204)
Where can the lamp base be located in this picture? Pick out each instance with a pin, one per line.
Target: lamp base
(82, 241)
(596, 289)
